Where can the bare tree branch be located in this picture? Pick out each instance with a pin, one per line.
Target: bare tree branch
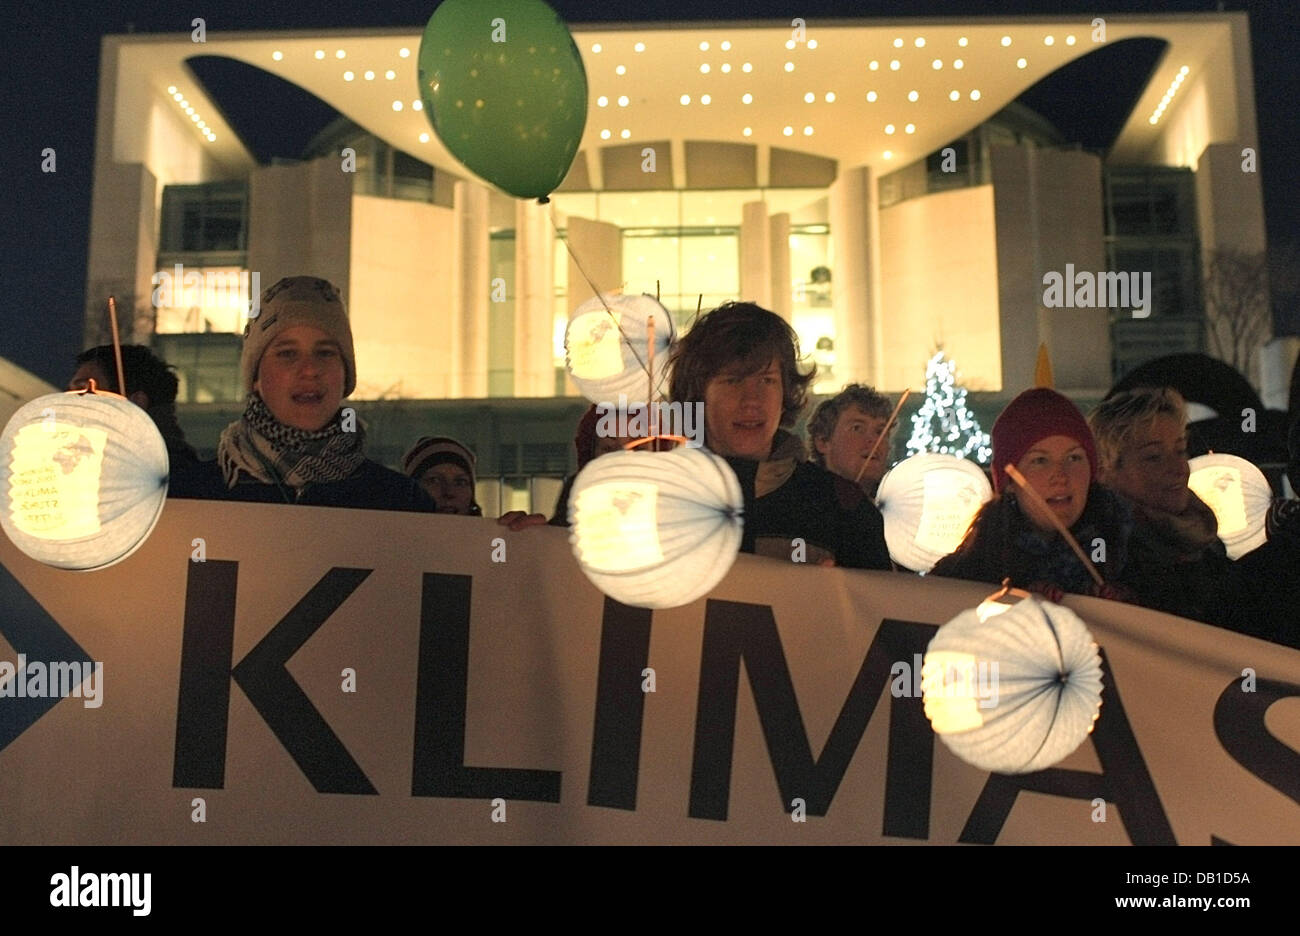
(1237, 310)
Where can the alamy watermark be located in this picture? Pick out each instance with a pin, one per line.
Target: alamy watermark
(82, 889)
(37, 680)
(210, 289)
(626, 420)
(952, 679)
(1104, 290)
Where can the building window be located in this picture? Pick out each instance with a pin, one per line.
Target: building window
(1151, 228)
(209, 219)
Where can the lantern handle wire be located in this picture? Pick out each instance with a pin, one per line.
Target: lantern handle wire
(93, 388)
(1007, 589)
(884, 434)
(117, 346)
(1038, 502)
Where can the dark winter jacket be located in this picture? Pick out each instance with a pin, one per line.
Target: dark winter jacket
(560, 517)
(372, 487)
(1266, 600)
(789, 498)
(1003, 543)
(1177, 564)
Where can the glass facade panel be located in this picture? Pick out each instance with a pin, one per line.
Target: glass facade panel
(208, 218)
(202, 299)
(1151, 228)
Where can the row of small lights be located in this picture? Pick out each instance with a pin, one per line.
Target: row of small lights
(810, 97)
(706, 99)
(1169, 95)
(368, 75)
(192, 113)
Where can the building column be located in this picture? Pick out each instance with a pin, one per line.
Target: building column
(756, 255)
(855, 276)
(534, 275)
(779, 245)
(470, 328)
(1047, 209)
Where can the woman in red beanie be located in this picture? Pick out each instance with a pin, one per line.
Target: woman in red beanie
(1047, 439)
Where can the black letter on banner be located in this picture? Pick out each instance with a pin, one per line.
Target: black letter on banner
(1239, 724)
(1124, 780)
(620, 705)
(733, 631)
(204, 705)
(441, 692)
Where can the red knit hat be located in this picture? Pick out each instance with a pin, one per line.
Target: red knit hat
(1031, 417)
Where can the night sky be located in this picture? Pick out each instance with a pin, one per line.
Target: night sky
(51, 71)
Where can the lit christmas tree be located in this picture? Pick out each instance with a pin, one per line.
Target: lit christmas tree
(944, 424)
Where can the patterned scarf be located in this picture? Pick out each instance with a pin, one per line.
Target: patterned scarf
(261, 446)
(1045, 556)
(1172, 537)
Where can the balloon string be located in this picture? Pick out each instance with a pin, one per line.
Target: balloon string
(599, 295)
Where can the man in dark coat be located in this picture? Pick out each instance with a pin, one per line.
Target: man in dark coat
(151, 384)
(741, 362)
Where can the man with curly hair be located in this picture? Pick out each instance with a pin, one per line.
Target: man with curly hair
(845, 429)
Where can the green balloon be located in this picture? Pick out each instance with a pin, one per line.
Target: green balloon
(504, 88)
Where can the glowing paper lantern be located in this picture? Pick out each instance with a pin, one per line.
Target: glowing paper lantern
(1015, 692)
(656, 529)
(1239, 495)
(83, 479)
(928, 502)
(604, 361)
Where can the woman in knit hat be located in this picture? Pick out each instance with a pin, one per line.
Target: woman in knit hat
(445, 469)
(1046, 438)
(294, 444)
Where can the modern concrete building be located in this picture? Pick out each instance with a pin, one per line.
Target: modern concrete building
(870, 181)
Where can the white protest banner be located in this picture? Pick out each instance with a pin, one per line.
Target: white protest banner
(276, 674)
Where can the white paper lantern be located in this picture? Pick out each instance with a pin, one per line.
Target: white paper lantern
(656, 529)
(1015, 692)
(928, 502)
(604, 361)
(83, 479)
(1239, 495)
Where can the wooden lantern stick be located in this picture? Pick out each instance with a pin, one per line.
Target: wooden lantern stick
(1041, 504)
(117, 346)
(884, 434)
(650, 375)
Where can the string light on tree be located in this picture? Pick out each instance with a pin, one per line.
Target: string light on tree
(944, 424)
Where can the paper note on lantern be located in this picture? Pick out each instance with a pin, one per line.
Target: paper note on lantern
(595, 345)
(54, 480)
(946, 514)
(1240, 496)
(656, 529)
(1016, 692)
(621, 535)
(609, 355)
(927, 502)
(83, 479)
(951, 691)
(1220, 488)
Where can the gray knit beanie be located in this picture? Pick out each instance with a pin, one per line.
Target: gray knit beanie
(298, 300)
